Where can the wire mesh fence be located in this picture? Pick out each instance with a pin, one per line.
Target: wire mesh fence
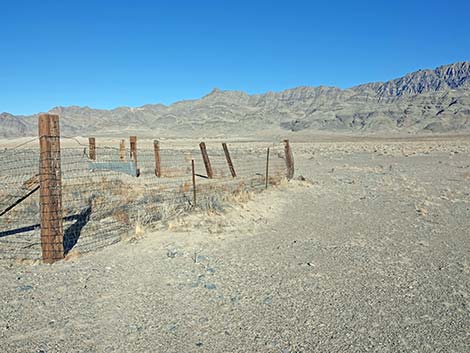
(106, 196)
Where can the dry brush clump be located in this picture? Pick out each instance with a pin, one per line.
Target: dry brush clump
(102, 206)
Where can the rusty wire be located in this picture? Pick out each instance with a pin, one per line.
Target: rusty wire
(103, 201)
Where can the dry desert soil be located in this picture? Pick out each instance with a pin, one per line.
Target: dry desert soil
(370, 253)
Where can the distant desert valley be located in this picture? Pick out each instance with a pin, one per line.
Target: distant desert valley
(332, 220)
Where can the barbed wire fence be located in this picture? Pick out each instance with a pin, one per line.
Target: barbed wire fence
(54, 198)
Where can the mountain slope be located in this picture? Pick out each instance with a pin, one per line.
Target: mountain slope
(443, 78)
(427, 100)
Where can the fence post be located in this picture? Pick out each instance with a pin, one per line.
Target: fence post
(156, 150)
(50, 189)
(194, 182)
(122, 150)
(267, 168)
(92, 148)
(207, 162)
(289, 160)
(133, 153)
(229, 160)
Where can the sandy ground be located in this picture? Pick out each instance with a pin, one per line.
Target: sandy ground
(371, 253)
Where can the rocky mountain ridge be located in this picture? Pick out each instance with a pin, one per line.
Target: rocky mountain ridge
(423, 101)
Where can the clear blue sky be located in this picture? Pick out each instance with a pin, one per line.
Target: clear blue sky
(106, 54)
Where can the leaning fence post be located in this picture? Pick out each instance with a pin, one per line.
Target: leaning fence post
(289, 159)
(267, 168)
(229, 160)
(207, 162)
(156, 150)
(122, 150)
(92, 148)
(50, 189)
(194, 182)
(133, 153)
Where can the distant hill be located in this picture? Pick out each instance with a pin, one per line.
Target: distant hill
(424, 101)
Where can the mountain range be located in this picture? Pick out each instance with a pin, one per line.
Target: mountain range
(436, 101)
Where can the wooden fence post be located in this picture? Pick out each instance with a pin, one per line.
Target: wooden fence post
(267, 168)
(92, 148)
(194, 182)
(289, 160)
(133, 153)
(122, 150)
(133, 147)
(156, 150)
(50, 190)
(229, 160)
(207, 162)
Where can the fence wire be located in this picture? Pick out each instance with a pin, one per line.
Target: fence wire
(103, 200)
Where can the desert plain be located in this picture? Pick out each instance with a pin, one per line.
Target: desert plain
(367, 249)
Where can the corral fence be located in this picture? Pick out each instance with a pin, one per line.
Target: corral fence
(65, 194)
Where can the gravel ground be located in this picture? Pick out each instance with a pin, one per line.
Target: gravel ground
(371, 253)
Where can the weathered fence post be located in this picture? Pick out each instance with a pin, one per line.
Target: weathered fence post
(207, 162)
(92, 148)
(289, 160)
(229, 160)
(194, 182)
(267, 168)
(156, 150)
(50, 189)
(133, 147)
(133, 153)
(122, 150)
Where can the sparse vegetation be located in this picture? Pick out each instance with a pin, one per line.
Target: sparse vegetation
(102, 206)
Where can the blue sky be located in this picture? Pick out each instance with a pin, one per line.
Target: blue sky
(106, 54)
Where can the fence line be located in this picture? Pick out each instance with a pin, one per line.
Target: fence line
(104, 193)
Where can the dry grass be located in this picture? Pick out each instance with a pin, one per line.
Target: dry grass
(121, 217)
(72, 255)
(240, 196)
(122, 204)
